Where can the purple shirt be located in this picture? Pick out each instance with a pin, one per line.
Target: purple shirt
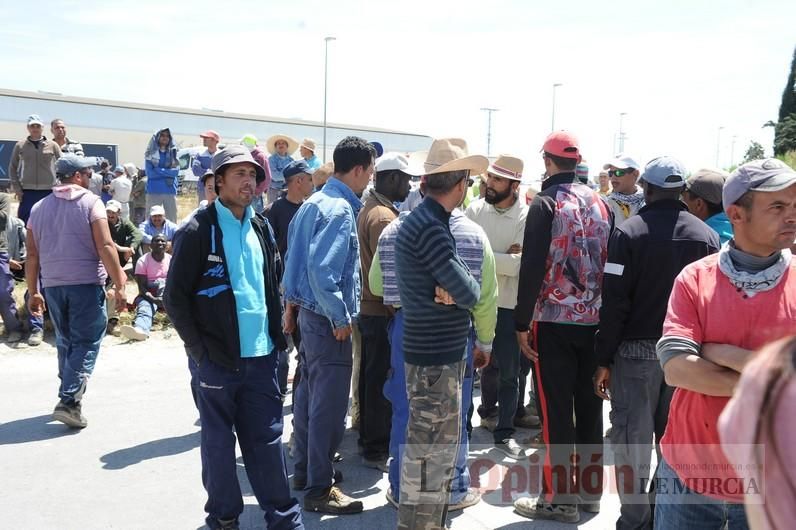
(61, 227)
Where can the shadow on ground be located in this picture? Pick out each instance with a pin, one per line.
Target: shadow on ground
(35, 429)
(146, 451)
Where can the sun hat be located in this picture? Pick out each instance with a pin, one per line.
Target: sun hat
(292, 145)
(234, 154)
(450, 154)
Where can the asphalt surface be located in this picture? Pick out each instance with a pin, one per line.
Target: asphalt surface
(137, 463)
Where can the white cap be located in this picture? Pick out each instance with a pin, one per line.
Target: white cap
(34, 119)
(622, 161)
(113, 206)
(157, 210)
(397, 162)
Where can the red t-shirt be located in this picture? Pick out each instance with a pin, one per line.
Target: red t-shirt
(706, 308)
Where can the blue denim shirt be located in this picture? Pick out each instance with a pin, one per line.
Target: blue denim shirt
(322, 265)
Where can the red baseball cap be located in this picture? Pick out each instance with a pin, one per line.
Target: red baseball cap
(210, 134)
(563, 144)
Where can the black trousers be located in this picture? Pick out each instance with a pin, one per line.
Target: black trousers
(375, 412)
(564, 372)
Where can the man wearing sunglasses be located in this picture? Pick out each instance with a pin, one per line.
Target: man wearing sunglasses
(627, 198)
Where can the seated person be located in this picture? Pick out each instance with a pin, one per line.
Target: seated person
(123, 232)
(157, 224)
(150, 274)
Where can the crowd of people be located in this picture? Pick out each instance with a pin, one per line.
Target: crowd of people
(407, 284)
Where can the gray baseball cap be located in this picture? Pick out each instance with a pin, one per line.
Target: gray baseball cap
(69, 163)
(765, 175)
(665, 172)
(707, 184)
(234, 154)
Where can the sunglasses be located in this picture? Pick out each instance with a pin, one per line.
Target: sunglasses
(619, 172)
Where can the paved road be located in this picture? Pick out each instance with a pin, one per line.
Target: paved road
(137, 464)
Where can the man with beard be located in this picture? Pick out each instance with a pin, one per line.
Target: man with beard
(222, 295)
(502, 216)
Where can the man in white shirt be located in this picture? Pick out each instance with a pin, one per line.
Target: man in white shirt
(120, 189)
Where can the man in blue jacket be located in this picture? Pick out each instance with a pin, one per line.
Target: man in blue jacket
(162, 169)
(222, 295)
(322, 278)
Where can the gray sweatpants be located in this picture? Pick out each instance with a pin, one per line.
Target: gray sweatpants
(639, 410)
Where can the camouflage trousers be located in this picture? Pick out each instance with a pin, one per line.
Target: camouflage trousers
(432, 443)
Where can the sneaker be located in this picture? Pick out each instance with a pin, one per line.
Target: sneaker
(300, 484)
(392, 500)
(541, 509)
(377, 463)
(36, 337)
(471, 498)
(14, 336)
(70, 415)
(510, 448)
(590, 507)
(334, 502)
(113, 327)
(133, 333)
(536, 441)
(489, 423)
(528, 421)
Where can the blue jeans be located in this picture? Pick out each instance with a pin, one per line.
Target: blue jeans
(78, 315)
(245, 402)
(321, 401)
(8, 306)
(144, 313)
(679, 508)
(395, 392)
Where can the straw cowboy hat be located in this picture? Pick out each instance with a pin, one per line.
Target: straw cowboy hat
(450, 154)
(292, 145)
(308, 143)
(507, 167)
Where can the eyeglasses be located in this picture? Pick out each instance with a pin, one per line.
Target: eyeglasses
(619, 172)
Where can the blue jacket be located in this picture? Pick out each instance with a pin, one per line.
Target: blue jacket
(322, 265)
(201, 163)
(721, 224)
(278, 164)
(162, 167)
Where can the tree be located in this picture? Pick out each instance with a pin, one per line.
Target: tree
(788, 105)
(785, 135)
(755, 151)
(785, 128)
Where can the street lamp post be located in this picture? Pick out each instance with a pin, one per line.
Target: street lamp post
(489, 129)
(622, 131)
(326, 41)
(553, 117)
(732, 149)
(718, 145)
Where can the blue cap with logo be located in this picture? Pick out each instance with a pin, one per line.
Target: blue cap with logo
(665, 172)
(765, 175)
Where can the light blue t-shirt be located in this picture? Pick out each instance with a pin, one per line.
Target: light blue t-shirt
(245, 263)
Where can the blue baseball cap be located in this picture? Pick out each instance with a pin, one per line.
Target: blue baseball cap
(768, 175)
(378, 147)
(69, 163)
(296, 167)
(665, 172)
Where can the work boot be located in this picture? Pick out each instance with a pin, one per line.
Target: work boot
(70, 415)
(528, 421)
(334, 502)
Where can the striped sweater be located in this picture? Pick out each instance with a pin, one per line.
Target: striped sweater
(425, 257)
